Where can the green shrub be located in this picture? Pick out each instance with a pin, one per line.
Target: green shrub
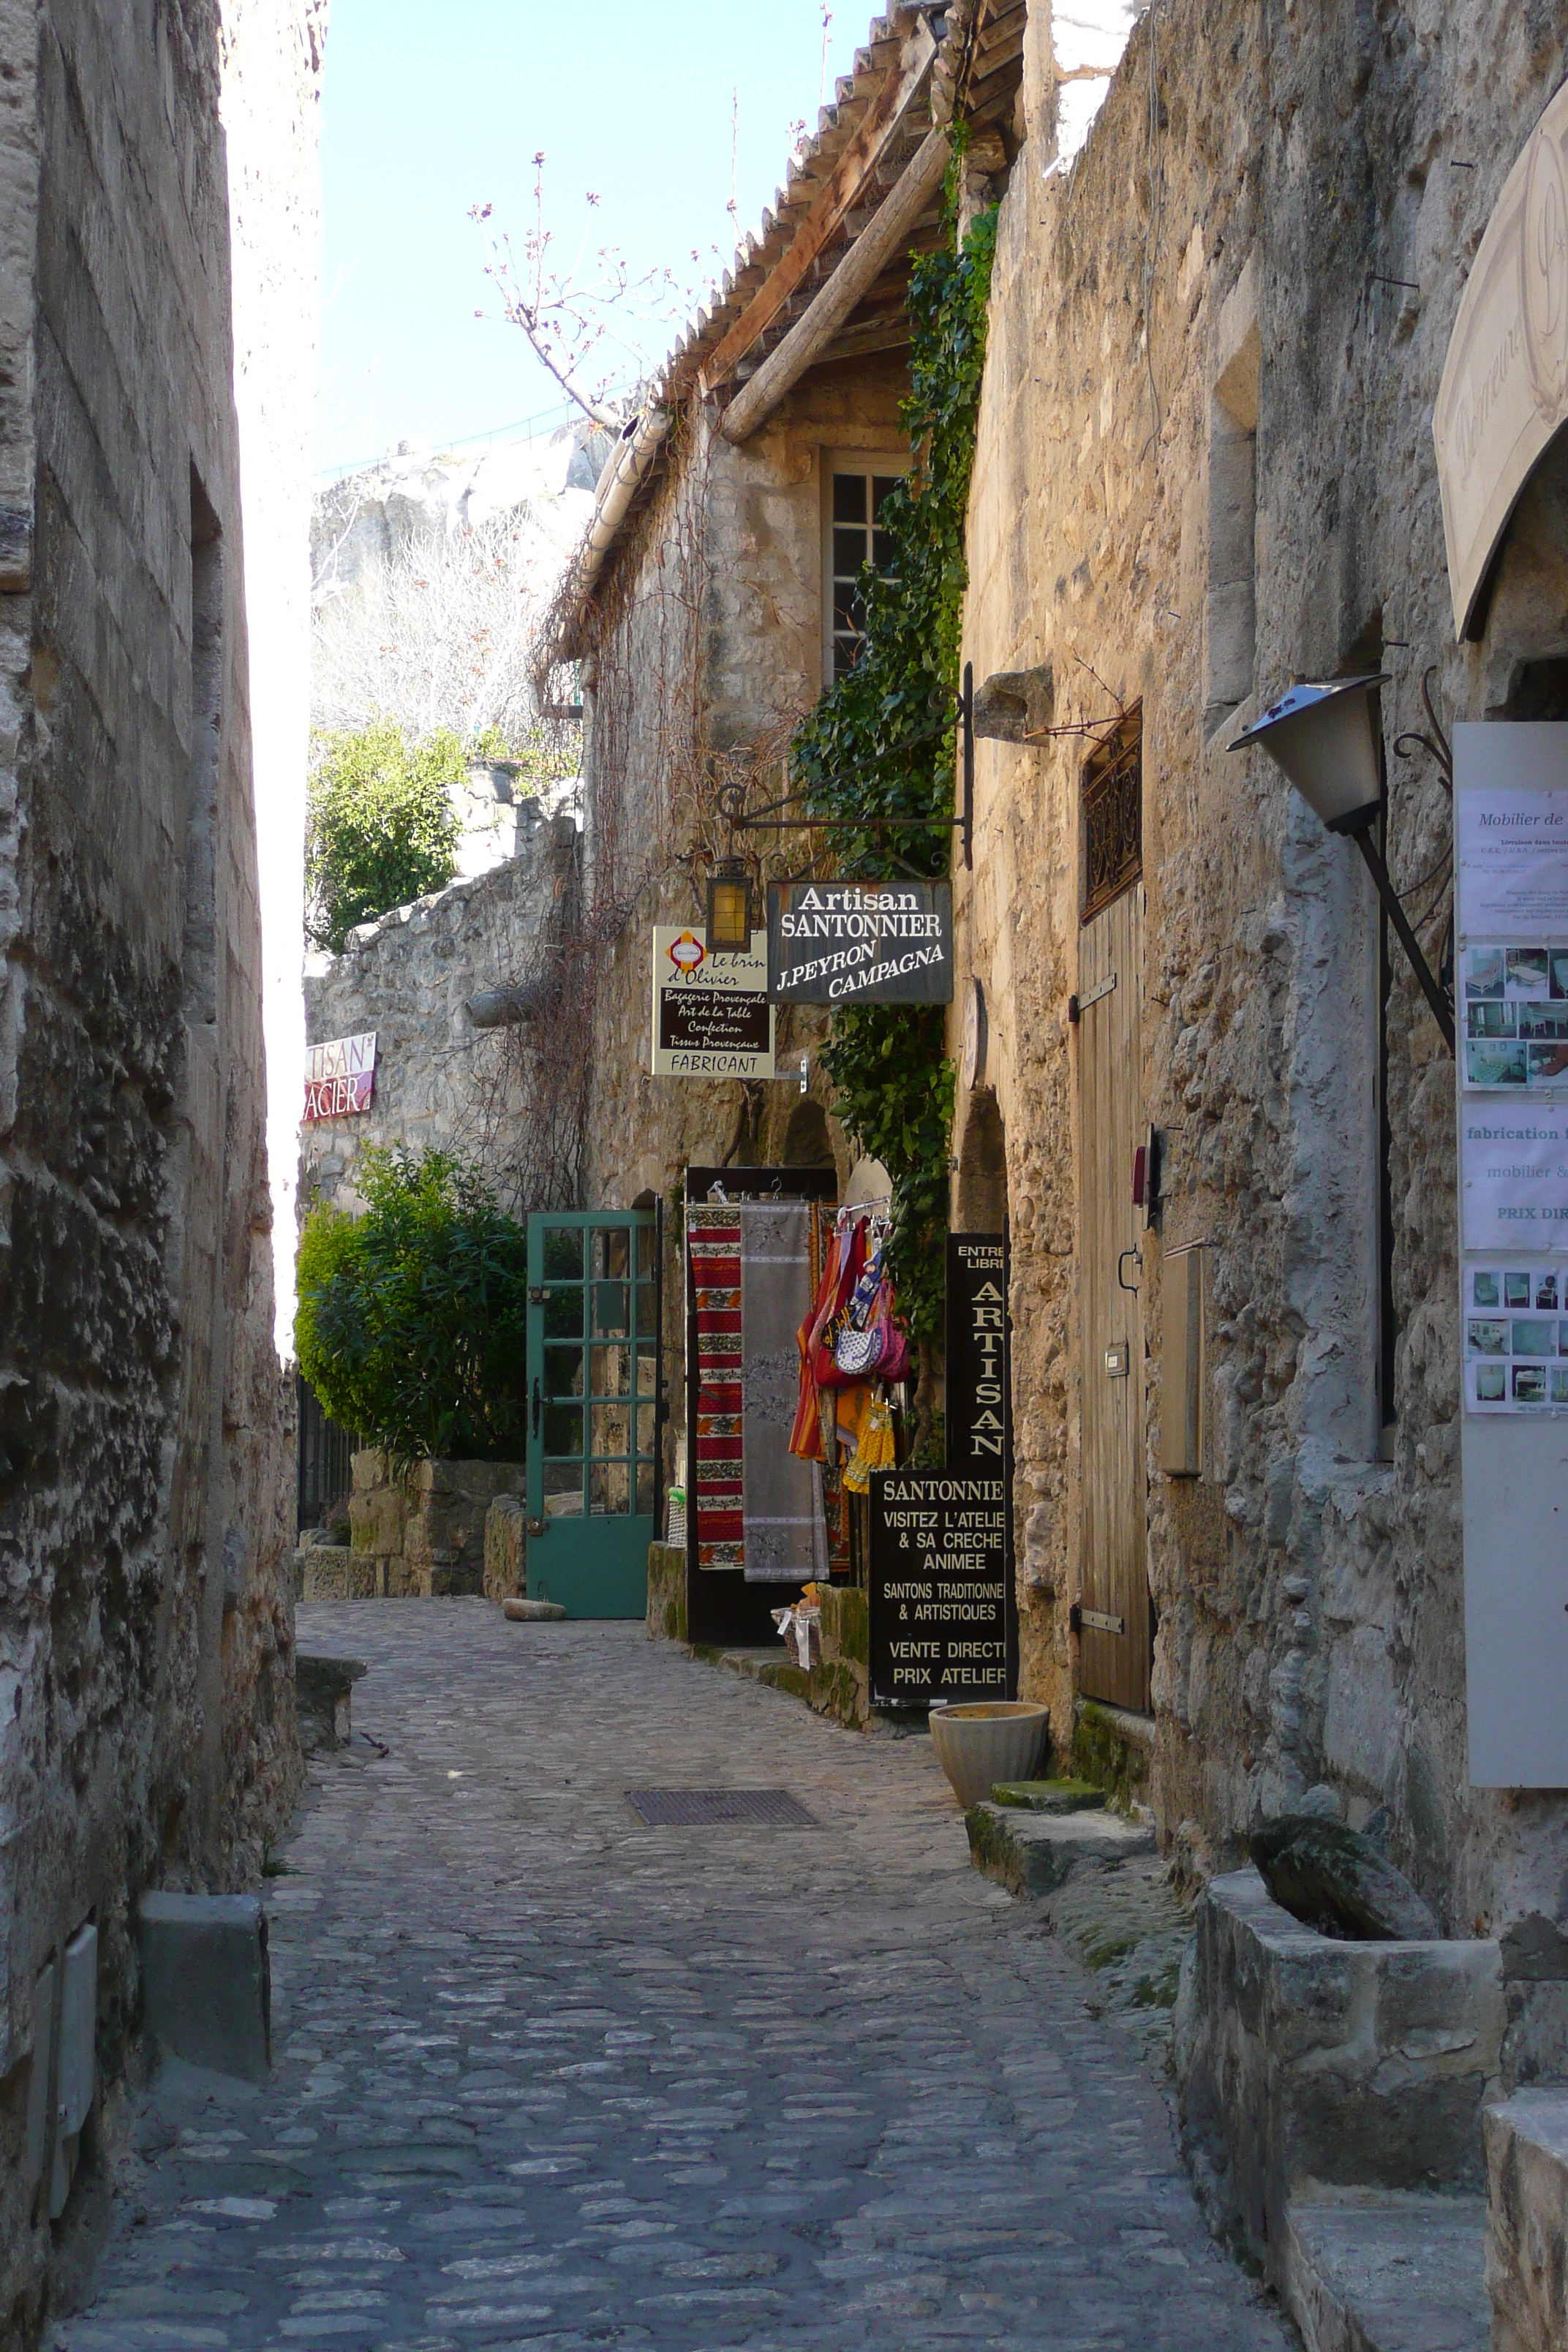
(381, 829)
(410, 1328)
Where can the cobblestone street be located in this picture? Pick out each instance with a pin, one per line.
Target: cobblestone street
(547, 2077)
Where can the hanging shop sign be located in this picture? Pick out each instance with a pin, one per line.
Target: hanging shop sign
(978, 1403)
(340, 1077)
(941, 1606)
(1510, 859)
(711, 1018)
(1504, 391)
(860, 942)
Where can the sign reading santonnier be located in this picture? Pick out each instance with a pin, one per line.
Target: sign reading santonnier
(340, 1077)
(939, 1599)
(861, 943)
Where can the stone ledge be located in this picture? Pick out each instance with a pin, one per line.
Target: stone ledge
(1034, 1853)
(1306, 2065)
(1527, 2220)
(1386, 2271)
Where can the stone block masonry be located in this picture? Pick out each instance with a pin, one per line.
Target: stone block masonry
(147, 1732)
(440, 1083)
(423, 1533)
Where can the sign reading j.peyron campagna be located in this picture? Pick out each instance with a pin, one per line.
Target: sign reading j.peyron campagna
(938, 1588)
(861, 943)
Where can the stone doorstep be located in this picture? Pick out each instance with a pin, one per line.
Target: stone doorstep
(769, 1666)
(1387, 2270)
(1034, 1853)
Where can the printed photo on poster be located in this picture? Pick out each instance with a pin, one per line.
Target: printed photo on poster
(1515, 1337)
(1515, 1018)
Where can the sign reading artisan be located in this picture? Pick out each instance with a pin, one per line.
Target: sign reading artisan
(860, 942)
(940, 1605)
(711, 1018)
(340, 1077)
(978, 1399)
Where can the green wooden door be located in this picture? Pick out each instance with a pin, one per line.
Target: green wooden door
(593, 1385)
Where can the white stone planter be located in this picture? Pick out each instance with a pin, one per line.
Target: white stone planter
(989, 1740)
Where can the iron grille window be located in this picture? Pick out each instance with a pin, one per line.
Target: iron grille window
(326, 1458)
(854, 540)
(1112, 814)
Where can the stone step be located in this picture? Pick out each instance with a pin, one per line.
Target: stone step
(1034, 1853)
(1049, 1796)
(1388, 2271)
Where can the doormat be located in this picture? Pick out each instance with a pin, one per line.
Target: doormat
(767, 1808)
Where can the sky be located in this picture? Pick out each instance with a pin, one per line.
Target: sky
(424, 113)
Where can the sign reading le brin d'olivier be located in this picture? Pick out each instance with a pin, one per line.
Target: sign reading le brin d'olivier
(340, 1077)
(711, 1018)
(977, 1401)
(939, 1587)
(860, 942)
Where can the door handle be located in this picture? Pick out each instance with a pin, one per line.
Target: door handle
(537, 1404)
(1121, 1281)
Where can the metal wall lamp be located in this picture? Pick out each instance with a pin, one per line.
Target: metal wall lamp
(1328, 739)
(729, 908)
(787, 815)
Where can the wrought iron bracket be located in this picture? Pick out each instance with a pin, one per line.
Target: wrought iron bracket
(788, 816)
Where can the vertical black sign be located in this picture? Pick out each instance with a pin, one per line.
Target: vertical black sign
(979, 1400)
(940, 1589)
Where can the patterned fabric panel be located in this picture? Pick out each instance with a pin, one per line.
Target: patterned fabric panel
(713, 1244)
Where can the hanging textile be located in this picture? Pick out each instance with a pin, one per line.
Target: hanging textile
(714, 1478)
(782, 1503)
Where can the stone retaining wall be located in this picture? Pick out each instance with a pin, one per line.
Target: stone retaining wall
(423, 1534)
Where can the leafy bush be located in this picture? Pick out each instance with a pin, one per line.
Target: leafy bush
(880, 744)
(410, 1328)
(381, 829)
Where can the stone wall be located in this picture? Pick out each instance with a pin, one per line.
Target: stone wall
(1206, 467)
(146, 1640)
(439, 1081)
(422, 1534)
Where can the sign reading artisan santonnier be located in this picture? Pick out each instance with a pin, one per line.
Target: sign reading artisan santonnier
(861, 943)
(711, 1018)
(340, 1077)
(939, 1600)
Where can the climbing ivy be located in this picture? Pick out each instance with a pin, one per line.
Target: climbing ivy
(881, 743)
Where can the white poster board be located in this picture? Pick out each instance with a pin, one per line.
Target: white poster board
(1510, 860)
(711, 1018)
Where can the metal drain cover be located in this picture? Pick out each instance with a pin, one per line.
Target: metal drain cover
(770, 1808)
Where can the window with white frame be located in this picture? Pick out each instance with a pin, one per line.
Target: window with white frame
(855, 490)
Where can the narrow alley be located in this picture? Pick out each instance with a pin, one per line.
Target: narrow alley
(547, 2077)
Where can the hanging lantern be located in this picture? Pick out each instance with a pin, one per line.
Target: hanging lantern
(729, 908)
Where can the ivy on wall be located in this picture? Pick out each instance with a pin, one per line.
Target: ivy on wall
(882, 743)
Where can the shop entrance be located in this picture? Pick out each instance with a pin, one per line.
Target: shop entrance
(1115, 1649)
(594, 1398)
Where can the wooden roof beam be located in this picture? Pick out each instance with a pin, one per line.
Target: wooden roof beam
(864, 263)
(882, 124)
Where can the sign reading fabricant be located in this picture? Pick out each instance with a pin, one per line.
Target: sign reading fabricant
(1505, 381)
(1510, 860)
(860, 942)
(940, 1604)
(977, 1401)
(711, 1018)
(340, 1077)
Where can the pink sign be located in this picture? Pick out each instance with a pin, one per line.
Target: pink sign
(340, 1077)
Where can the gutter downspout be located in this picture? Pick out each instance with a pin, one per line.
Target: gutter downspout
(625, 472)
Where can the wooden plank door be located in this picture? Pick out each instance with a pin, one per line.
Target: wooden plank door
(1114, 1655)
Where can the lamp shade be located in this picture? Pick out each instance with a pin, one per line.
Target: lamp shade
(729, 908)
(1329, 740)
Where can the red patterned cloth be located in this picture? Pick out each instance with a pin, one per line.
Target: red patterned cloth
(713, 1246)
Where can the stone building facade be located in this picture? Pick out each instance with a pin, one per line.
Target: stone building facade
(146, 1637)
(1205, 470)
